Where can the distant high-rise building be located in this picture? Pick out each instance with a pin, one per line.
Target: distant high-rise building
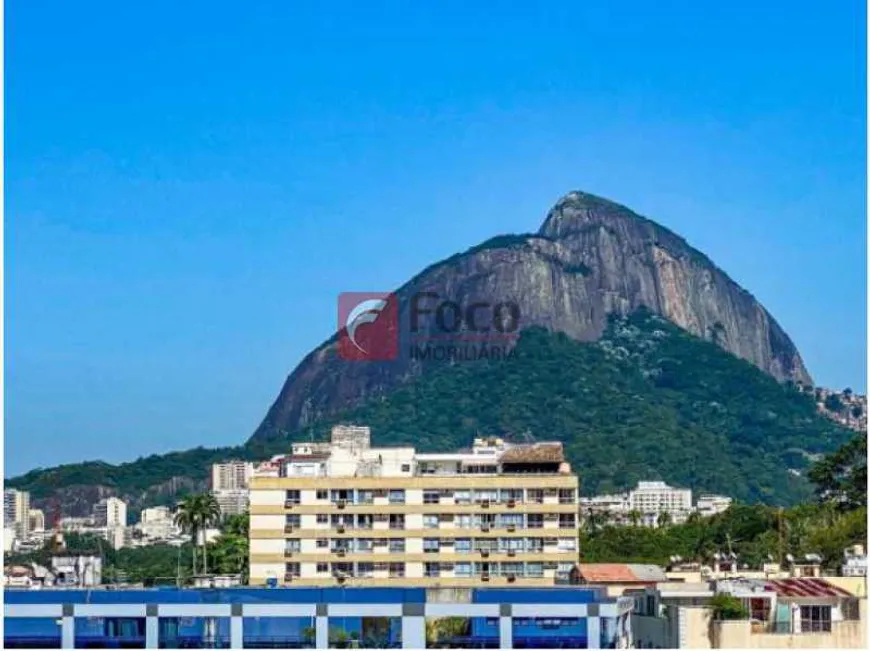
(652, 498)
(232, 475)
(712, 504)
(16, 511)
(232, 502)
(111, 512)
(37, 520)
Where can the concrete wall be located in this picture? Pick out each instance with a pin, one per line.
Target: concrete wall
(738, 635)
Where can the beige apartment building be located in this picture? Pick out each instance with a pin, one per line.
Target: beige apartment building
(344, 512)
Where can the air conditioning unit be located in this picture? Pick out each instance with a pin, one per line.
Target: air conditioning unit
(288, 528)
(288, 504)
(288, 553)
(511, 552)
(341, 503)
(484, 553)
(484, 527)
(484, 577)
(485, 504)
(511, 527)
(340, 528)
(511, 578)
(341, 552)
(511, 503)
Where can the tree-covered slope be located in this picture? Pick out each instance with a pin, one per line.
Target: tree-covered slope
(648, 400)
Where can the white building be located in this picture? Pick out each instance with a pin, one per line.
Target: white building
(16, 511)
(9, 539)
(615, 506)
(348, 513)
(712, 504)
(36, 518)
(652, 498)
(111, 512)
(232, 501)
(77, 570)
(855, 561)
(232, 475)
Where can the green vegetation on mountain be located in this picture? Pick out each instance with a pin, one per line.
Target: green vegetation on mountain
(646, 401)
(756, 533)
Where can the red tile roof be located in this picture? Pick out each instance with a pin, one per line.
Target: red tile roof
(805, 587)
(620, 573)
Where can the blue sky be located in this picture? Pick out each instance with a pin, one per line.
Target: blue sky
(190, 185)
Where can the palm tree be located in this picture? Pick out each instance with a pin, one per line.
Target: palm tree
(664, 519)
(634, 517)
(185, 517)
(197, 513)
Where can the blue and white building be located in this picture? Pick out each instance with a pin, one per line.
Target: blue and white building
(566, 617)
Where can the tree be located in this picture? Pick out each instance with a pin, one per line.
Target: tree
(197, 513)
(664, 519)
(593, 521)
(726, 606)
(841, 477)
(634, 517)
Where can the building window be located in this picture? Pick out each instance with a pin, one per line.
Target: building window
(291, 498)
(397, 521)
(322, 518)
(322, 568)
(567, 521)
(397, 545)
(430, 545)
(534, 570)
(462, 496)
(463, 546)
(322, 494)
(432, 570)
(512, 495)
(323, 542)
(406, 467)
(431, 497)
(397, 496)
(567, 496)
(815, 619)
(462, 569)
(430, 521)
(535, 495)
(535, 521)
(397, 570)
(535, 545)
(291, 570)
(291, 546)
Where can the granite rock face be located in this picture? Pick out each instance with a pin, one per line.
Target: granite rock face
(590, 258)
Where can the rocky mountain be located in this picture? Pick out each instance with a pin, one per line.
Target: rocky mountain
(591, 258)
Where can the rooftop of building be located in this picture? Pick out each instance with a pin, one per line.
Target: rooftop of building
(621, 573)
(350, 453)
